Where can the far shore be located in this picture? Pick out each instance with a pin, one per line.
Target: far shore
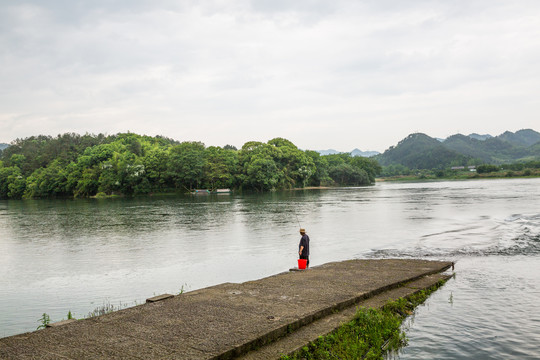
(473, 176)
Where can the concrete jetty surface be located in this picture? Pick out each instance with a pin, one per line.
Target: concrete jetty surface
(228, 320)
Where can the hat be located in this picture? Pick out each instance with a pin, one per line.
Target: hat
(302, 230)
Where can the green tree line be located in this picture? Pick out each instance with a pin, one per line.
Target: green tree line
(130, 164)
(395, 170)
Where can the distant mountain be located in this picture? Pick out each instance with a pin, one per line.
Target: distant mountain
(525, 137)
(492, 150)
(328, 152)
(3, 146)
(357, 152)
(472, 136)
(419, 151)
(480, 137)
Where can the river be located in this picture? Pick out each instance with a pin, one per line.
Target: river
(77, 255)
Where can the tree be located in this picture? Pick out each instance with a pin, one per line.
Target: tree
(486, 168)
(47, 182)
(345, 169)
(220, 167)
(186, 164)
(12, 183)
(346, 174)
(88, 183)
(155, 164)
(370, 166)
(320, 176)
(293, 163)
(257, 156)
(262, 173)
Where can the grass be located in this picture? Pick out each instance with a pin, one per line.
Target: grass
(103, 309)
(106, 308)
(370, 335)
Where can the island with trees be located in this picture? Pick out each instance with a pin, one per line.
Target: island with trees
(73, 165)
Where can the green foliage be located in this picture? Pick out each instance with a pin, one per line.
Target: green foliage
(295, 166)
(363, 337)
(262, 173)
(419, 151)
(12, 183)
(182, 290)
(395, 170)
(486, 168)
(320, 177)
(186, 164)
(44, 320)
(369, 335)
(345, 169)
(524, 137)
(220, 167)
(71, 165)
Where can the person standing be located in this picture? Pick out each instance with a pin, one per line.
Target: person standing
(303, 247)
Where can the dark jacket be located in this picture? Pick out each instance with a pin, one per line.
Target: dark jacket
(304, 241)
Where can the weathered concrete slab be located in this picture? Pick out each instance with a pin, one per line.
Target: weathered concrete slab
(223, 321)
(60, 323)
(159, 298)
(295, 341)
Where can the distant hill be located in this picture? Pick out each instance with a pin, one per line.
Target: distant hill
(357, 152)
(419, 151)
(472, 136)
(525, 137)
(3, 146)
(328, 152)
(506, 148)
(480, 137)
(493, 150)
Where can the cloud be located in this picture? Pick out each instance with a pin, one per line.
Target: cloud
(323, 74)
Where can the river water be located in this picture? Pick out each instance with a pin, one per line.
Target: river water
(76, 255)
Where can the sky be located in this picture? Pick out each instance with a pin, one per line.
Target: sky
(334, 74)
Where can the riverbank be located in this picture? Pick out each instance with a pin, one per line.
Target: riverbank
(228, 320)
(463, 176)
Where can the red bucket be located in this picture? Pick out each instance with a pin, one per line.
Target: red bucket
(302, 264)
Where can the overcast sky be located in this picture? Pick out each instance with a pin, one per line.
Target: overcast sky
(323, 74)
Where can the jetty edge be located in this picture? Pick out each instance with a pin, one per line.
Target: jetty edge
(226, 321)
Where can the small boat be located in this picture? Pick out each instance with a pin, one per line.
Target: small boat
(213, 192)
(201, 192)
(221, 191)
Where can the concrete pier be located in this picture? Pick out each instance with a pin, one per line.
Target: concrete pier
(254, 319)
